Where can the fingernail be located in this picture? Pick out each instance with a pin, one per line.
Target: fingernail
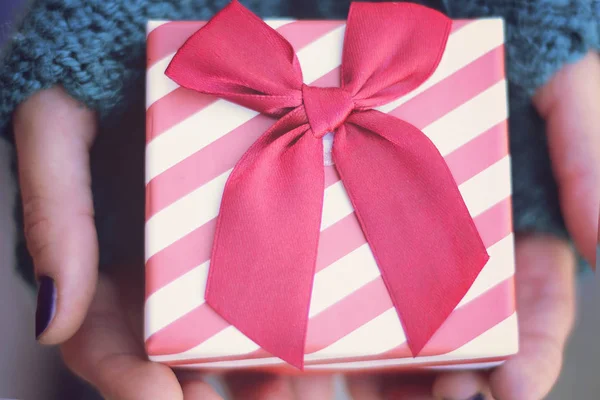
(478, 396)
(46, 305)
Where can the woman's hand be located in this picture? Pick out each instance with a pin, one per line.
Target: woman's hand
(570, 104)
(545, 305)
(54, 134)
(108, 352)
(545, 266)
(97, 320)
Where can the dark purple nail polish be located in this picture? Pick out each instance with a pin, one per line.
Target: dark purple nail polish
(46, 305)
(478, 396)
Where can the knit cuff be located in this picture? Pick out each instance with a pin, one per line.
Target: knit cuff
(93, 48)
(83, 47)
(541, 35)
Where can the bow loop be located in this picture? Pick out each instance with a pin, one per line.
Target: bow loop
(238, 57)
(395, 48)
(326, 108)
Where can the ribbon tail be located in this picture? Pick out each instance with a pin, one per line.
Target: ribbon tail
(414, 218)
(264, 253)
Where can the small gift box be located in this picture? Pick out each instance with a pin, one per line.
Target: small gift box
(328, 195)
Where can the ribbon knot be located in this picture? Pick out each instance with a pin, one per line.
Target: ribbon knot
(408, 205)
(326, 108)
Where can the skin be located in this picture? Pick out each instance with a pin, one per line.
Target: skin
(98, 324)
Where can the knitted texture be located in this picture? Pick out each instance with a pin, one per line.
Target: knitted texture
(95, 49)
(542, 34)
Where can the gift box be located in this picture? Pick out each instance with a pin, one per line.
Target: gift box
(195, 138)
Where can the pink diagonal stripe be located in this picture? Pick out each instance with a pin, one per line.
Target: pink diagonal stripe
(173, 108)
(365, 304)
(168, 259)
(182, 103)
(180, 257)
(401, 351)
(260, 353)
(453, 91)
(423, 109)
(211, 161)
(192, 250)
(492, 224)
(187, 332)
(495, 223)
(347, 315)
(460, 23)
(301, 34)
(337, 240)
(346, 236)
(205, 165)
(463, 325)
(483, 151)
(331, 176)
(473, 319)
(167, 38)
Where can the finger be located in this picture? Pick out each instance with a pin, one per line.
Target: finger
(391, 386)
(408, 386)
(198, 390)
(105, 353)
(364, 387)
(570, 103)
(259, 386)
(312, 387)
(53, 134)
(546, 307)
(463, 385)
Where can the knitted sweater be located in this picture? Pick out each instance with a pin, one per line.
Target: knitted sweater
(95, 50)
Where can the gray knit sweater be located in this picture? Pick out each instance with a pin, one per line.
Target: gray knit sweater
(95, 49)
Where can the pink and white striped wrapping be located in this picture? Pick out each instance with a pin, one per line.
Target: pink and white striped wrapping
(193, 142)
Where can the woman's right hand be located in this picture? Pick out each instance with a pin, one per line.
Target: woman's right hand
(53, 135)
(97, 319)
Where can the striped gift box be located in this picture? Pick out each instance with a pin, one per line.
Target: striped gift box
(193, 142)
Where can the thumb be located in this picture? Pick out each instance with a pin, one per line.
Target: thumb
(570, 103)
(53, 134)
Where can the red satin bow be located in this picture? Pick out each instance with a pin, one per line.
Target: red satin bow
(408, 204)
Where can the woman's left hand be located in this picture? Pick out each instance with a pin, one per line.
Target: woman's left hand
(108, 351)
(545, 266)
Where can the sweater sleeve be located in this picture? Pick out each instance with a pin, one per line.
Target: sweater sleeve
(93, 48)
(88, 47)
(541, 35)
